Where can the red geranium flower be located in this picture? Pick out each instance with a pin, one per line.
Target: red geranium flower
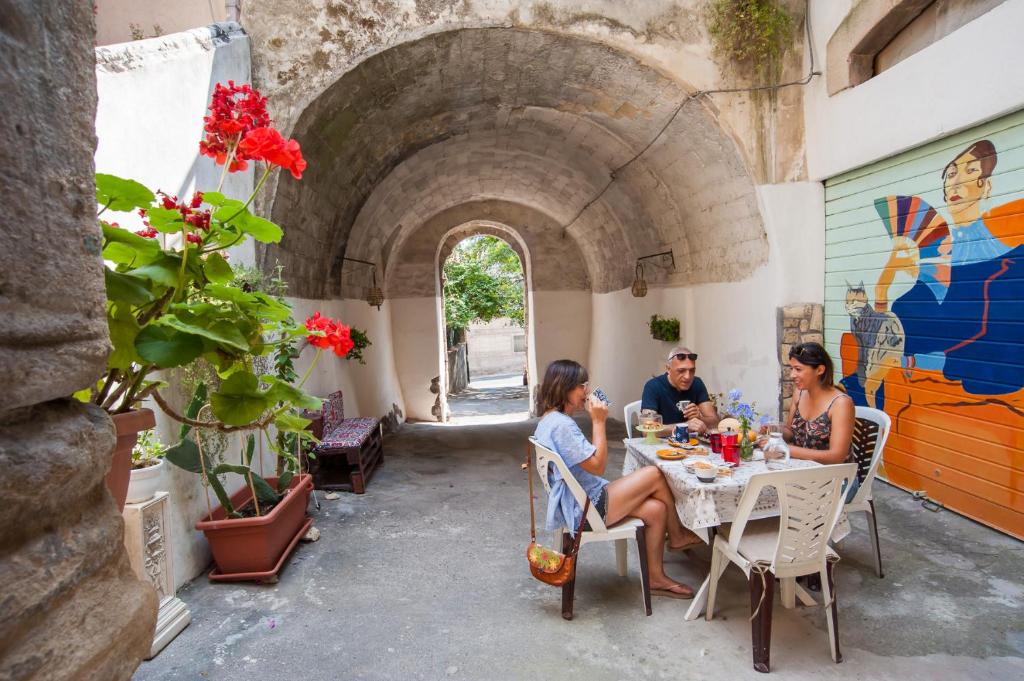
(149, 233)
(267, 144)
(329, 334)
(234, 110)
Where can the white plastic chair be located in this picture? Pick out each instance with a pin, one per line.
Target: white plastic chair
(628, 528)
(870, 431)
(792, 545)
(628, 412)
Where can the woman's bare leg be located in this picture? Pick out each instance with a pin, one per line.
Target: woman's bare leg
(652, 512)
(628, 492)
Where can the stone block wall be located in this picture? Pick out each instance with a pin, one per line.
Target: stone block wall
(797, 323)
(70, 605)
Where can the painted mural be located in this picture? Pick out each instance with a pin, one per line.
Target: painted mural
(925, 308)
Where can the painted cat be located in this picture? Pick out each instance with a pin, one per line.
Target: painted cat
(880, 340)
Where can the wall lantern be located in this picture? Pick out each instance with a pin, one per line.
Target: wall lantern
(639, 288)
(374, 296)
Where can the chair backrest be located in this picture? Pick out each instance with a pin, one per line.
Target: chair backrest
(810, 501)
(333, 411)
(631, 412)
(870, 431)
(545, 459)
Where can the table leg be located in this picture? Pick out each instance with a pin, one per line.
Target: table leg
(700, 599)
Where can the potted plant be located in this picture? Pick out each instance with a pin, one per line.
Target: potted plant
(172, 299)
(745, 415)
(664, 328)
(147, 467)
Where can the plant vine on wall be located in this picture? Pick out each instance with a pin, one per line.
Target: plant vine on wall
(751, 34)
(664, 328)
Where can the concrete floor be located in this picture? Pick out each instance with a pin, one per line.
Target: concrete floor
(424, 577)
(493, 399)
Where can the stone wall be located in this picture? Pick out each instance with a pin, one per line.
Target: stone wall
(71, 606)
(799, 323)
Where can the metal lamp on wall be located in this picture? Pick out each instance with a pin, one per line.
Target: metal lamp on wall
(639, 288)
(374, 295)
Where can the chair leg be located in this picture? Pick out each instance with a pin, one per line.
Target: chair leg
(874, 538)
(761, 626)
(620, 556)
(713, 576)
(569, 588)
(645, 578)
(831, 611)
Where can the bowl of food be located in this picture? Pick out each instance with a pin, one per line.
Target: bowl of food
(705, 472)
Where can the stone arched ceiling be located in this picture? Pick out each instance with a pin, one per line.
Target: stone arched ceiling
(525, 118)
(555, 262)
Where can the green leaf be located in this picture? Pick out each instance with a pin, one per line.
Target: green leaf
(123, 330)
(167, 347)
(260, 229)
(250, 447)
(198, 400)
(284, 480)
(217, 269)
(126, 248)
(222, 469)
(239, 400)
(291, 423)
(282, 391)
(83, 395)
(185, 455)
(166, 220)
(213, 198)
(230, 211)
(125, 288)
(264, 491)
(164, 270)
(222, 332)
(232, 294)
(272, 309)
(121, 195)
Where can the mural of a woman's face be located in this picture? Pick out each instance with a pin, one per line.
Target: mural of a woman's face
(964, 187)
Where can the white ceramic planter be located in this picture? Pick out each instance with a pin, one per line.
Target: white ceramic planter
(145, 482)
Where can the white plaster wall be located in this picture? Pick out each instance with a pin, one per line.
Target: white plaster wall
(732, 326)
(968, 77)
(416, 352)
(562, 326)
(371, 389)
(149, 117)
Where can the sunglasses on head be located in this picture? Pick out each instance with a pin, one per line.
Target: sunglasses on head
(692, 356)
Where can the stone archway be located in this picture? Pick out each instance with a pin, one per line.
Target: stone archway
(602, 156)
(514, 239)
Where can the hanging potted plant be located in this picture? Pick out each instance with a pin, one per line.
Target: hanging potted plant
(172, 299)
(664, 328)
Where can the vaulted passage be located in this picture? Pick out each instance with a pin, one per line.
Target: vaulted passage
(524, 128)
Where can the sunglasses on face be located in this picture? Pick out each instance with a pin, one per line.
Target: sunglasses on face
(692, 356)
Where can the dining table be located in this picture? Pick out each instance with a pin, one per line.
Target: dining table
(704, 506)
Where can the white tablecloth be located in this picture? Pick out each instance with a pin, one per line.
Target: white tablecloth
(703, 505)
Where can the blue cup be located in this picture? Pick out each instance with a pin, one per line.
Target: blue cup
(681, 433)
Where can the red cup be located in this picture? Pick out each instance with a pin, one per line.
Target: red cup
(731, 453)
(715, 440)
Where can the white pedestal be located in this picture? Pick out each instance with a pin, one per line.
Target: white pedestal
(147, 539)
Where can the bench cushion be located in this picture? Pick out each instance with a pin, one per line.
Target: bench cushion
(348, 433)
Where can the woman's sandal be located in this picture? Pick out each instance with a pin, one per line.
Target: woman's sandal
(680, 591)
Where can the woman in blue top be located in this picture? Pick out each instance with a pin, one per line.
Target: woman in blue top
(642, 494)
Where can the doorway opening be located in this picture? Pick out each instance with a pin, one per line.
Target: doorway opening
(485, 328)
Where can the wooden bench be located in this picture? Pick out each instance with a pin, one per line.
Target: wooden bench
(349, 451)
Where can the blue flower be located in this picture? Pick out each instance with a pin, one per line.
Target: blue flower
(765, 419)
(735, 395)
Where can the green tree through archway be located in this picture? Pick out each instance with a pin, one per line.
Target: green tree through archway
(483, 280)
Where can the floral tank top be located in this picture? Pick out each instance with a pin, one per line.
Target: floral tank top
(813, 434)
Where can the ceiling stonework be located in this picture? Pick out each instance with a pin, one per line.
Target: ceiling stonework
(516, 117)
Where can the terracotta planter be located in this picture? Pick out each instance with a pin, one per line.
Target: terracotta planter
(255, 548)
(128, 426)
(145, 482)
